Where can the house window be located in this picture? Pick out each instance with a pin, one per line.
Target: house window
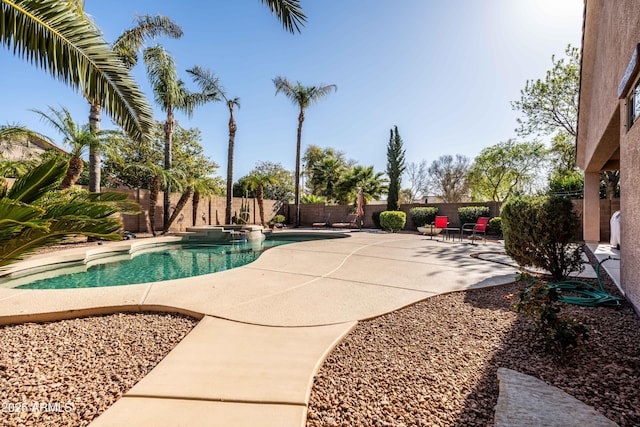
(634, 104)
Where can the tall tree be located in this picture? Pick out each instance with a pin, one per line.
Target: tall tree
(126, 48)
(395, 168)
(56, 36)
(418, 181)
(171, 95)
(210, 84)
(502, 169)
(301, 96)
(550, 107)
(326, 175)
(449, 177)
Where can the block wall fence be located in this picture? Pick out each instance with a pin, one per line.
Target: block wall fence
(319, 212)
(210, 211)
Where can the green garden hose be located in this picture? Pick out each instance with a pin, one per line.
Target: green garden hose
(590, 295)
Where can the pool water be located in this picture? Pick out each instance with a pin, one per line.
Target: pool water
(163, 263)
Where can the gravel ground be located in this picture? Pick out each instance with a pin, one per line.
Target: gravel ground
(435, 363)
(79, 367)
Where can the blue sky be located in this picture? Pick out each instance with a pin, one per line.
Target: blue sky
(443, 71)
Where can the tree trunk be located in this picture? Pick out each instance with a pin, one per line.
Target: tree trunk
(73, 172)
(179, 206)
(260, 198)
(153, 200)
(195, 201)
(232, 137)
(94, 149)
(168, 134)
(297, 177)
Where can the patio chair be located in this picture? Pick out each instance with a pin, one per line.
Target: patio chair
(442, 222)
(350, 222)
(323, 223)
(476, 228)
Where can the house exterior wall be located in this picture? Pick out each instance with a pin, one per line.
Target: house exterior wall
(611, 34)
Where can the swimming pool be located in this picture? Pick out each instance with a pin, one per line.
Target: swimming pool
(158, 263)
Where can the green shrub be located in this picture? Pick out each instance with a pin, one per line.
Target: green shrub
(393, 221)
(470, 214)
(495, 225)
(539, 303)
(279, 219)
(422, 216)
(376, 219)
(543, 232)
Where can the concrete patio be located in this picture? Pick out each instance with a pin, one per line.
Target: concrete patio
(266, 327)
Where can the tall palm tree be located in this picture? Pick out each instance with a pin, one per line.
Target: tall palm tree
(126, 47)
(56, 36)
(302, 96)
(208, 83)
(171, 95)
(256, 182)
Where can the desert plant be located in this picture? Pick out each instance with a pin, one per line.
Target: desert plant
(495, 225)
(278, 219)
(393, 221)
(538, 302)
(543, 232)
(470, 214)
(422, 216)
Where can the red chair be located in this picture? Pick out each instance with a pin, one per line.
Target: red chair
(441, 222)
(476, 228)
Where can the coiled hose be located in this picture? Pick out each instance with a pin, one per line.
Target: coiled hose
(590, 296)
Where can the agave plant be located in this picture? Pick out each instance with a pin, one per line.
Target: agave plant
(34, 215)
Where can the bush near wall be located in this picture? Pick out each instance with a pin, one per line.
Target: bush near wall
(543, 232)
(393, 221)
(495, 226)
(422, 216)
(470, 214)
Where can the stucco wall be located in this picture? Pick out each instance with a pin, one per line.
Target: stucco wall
(612, 32)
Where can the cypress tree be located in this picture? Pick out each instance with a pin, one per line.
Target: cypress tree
(395, 168)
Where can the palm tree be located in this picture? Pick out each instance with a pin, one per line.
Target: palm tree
(302, 96)
(171, 95)
(126, 47)
(57, 36)
(76, 136)
(326, 175)
(288, 12)
(160, 178)
(256, 182)
(373, 185)
(193, 187)
(33, 214)
(210, 84)
(203, 187)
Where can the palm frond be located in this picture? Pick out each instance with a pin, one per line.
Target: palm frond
(39, 181)
(32, 239)
(207, 82)
(53, 35)
(148, 27)
(288, 12)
